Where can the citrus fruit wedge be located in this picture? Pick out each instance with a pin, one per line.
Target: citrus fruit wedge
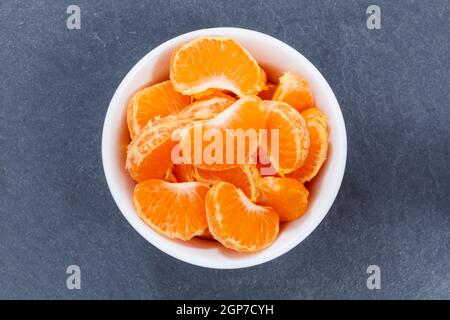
(160, 99)
(315, 114)
(176, 210)
(214, 63)
(207, 107)
(237, 222)
(243, 177)
(316, 122)
(287, 196)
(288, 152)
(294, 91)
(149, 154)
(227, 140)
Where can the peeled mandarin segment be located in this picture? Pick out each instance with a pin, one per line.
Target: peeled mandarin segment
(149, 154)
(293, 138)
(294, 91)
(214, 63)
(267, 93)
(158, 100)
(318, 149)
(207, 107)
(238, 223)
(227, 140)
(203, 109)
(314, 113)
(183, 172)
(176, 210)
(243, 177)
(199, 110)
(287, 196)
(205, 93)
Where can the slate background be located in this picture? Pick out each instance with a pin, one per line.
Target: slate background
(393, 207)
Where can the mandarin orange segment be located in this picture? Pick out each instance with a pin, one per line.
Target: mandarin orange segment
(316, 122)
(207, 107)
(294, 91)
(205, 93)
(214, 63)
(287, 196)
(293, 138)
(315, 113)
(238, 223)
(199, 110)
(149, 154)
(243, 177)
(157, 100)
(176, 210)
(267, 93)
(227, 140)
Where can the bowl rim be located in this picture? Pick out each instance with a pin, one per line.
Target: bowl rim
(117, 194)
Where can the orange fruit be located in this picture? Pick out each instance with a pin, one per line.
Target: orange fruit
(183, 172)
(204, 143)
(293, 137)
(160, 99)
(204, 166)
(176, 210)
(214, 63)
(207, 107)
(243, 177)
(149, 154)
(294, 91)
(314, 113)
(267, 93)
(205, 93)
(203, 109)
(287, 196)
(237, 222)
(316, 122)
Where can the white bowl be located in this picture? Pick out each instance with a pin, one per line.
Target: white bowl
(275, 57)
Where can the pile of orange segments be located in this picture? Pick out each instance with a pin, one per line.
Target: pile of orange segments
(215, 83)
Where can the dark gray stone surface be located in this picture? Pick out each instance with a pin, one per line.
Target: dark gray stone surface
(393, 208)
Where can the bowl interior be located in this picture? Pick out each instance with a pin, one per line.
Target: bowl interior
(275, 57)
